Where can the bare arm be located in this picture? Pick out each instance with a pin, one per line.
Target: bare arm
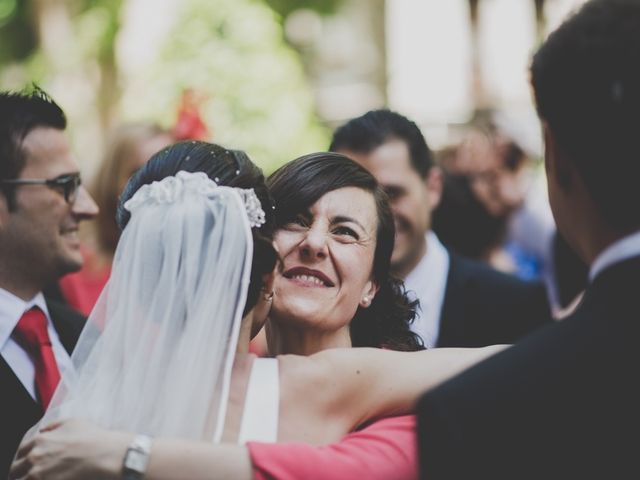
(80, 450)
(171, 459)
(385, 382)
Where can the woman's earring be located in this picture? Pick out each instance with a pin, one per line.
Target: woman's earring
(268, 296)
(365, 300)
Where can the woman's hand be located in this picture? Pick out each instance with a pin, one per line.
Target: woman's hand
(72, 449)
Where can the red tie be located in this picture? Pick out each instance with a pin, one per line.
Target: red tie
(31, 334)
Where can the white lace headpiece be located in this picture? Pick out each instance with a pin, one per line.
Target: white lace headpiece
(156, 354)
(169, 189)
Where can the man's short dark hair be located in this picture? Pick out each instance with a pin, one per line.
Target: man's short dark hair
(586, 79)
(376, 127)
(21, 112)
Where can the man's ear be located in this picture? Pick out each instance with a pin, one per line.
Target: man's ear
(433, 182)
(555, 160)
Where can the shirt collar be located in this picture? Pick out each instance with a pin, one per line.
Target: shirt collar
(428, 282)
(618, 251)
(11, 310)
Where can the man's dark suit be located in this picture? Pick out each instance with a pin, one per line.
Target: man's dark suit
(483, 306)
(562, 403)
(19, 411)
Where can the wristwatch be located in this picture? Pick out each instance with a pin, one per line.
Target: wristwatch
(137, 458)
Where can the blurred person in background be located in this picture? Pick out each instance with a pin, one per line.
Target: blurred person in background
(498, 173)
(494, 209)
(129, 147)
(189, 123)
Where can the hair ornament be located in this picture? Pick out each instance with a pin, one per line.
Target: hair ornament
(171, 189)
(253, 206)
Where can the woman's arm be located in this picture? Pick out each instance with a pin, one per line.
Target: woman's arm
(78, 450)
(384, 382)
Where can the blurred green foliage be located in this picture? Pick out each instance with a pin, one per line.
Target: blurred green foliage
(285, 7)
(232, 51)
(17, 37)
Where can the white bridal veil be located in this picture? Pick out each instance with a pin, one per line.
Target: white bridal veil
(157, 351)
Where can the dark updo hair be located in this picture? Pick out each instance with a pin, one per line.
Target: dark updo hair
(231, 168)
(296, 186)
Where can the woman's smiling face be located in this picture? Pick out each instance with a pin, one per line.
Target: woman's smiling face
(327, 257)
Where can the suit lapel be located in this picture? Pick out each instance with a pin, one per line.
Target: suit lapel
(67, 323)
(19, 411)
(452, 315)
(16, 401)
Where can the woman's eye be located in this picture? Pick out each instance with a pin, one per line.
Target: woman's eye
(346, 231)
(298, 222)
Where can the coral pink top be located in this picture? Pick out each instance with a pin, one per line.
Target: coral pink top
(383, 450)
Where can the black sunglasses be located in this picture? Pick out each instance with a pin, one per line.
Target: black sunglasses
(69, 183)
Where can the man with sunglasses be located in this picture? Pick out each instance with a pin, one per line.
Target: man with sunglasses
(42, 203)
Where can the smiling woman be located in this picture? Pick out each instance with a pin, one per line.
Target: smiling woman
(327, 255)
(335, 235)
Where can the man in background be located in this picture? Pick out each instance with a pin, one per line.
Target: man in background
(41, 206)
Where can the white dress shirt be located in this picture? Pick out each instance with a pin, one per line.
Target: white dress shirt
(623, 249)
(428, 282)
(11, 310)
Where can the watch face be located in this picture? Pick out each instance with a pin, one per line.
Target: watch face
(136, 460)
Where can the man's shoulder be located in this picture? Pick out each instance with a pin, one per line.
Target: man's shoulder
(513, 366)
(566, 357)
(476, 283)
(466, 269)
(543, 391)
(483, 306)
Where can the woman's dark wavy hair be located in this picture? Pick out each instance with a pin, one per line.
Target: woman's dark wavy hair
(231, 168)
(296, 186)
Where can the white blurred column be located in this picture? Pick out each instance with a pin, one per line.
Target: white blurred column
(555, 11)
(507, 35)
(145, 25)
(429, 60)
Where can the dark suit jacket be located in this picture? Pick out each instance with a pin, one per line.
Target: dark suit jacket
(18, 411)
(483, 306)
(562, 403)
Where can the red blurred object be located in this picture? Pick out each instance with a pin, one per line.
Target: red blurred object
(190, 125)
(81, 289)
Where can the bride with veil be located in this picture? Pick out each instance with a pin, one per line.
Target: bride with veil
(165, 351)
(157, 353)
